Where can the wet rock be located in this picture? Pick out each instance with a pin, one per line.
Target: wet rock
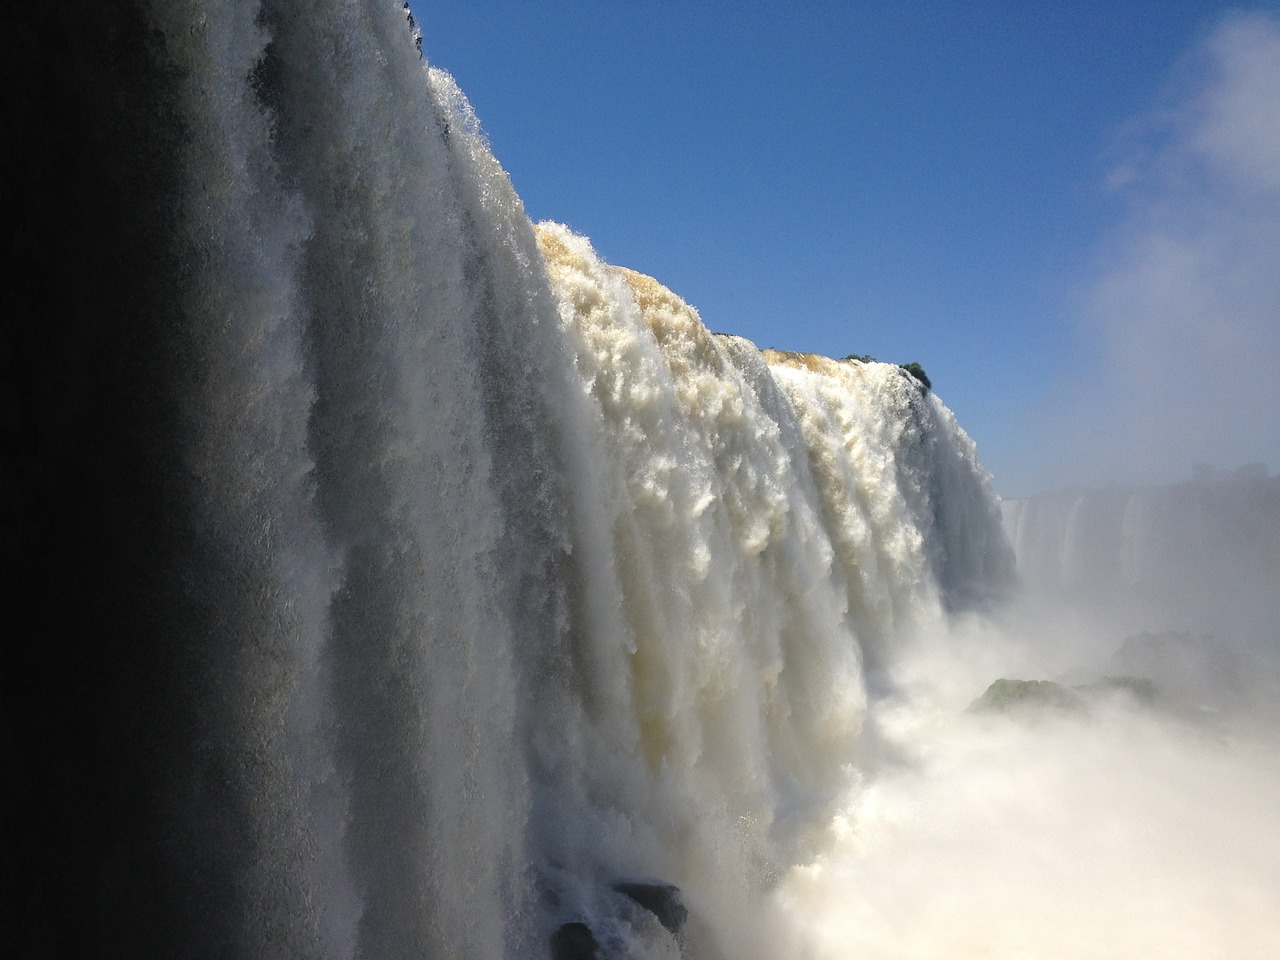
(574, 941)
(1028, 696)
(1005, 695)
(1138, 689)
(661, 899)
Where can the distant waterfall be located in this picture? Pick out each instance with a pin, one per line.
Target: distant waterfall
(1201, 556)
(440, 578)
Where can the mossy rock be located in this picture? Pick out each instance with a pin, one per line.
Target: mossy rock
(1005, 695)
(1139, 688)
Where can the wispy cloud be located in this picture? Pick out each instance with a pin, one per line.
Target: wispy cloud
(1184, 306)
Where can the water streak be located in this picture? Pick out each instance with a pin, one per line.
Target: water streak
(479, 575)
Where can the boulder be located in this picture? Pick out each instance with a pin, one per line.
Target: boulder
(661, 899)
(1005, 695)
(574, 941)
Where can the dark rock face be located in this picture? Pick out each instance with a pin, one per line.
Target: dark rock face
(574, 941)
(660, 899)
(95, 712)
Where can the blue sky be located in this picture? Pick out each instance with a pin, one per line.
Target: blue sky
(1063, 211)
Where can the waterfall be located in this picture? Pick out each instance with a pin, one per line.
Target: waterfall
(396, 577)
(1202, 556)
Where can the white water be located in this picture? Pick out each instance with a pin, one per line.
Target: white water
(747, 536)
(511, 581)
(525, 583)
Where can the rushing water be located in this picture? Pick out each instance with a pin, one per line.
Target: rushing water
(408, 581)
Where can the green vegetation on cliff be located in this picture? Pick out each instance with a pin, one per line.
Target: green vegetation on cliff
(917, 371)
(913, 369)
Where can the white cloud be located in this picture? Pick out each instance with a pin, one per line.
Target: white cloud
(1185, 307)
(1238, 116)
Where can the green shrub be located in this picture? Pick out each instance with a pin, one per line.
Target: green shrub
(917, 371)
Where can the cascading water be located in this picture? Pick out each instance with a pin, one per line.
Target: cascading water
(445, 579)
(1201, 556)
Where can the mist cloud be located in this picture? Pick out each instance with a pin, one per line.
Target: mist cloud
(1130, 828)
(1107, 837)
(1184, 307)
(1122, 828)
